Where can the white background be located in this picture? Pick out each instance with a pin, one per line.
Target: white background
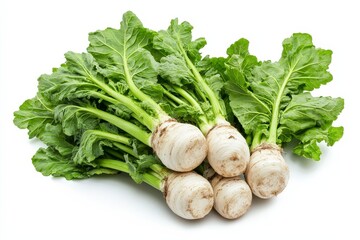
(322, 198)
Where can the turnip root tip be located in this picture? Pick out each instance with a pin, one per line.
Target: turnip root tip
(181, 147)
(228, 151)
(232, 196)
(267, 173)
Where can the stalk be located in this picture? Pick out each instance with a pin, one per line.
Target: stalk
(140, 95)
(216, 107)
(276, 111)
(121, 142)
(149, 178)
(112, 137)
(203, 122)
(180, 147)
(124, 125)
(139, 114)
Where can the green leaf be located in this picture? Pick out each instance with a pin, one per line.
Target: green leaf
(249, 108)
(250, 111)
(74, 119)
(33, 114)
(133, 170)
(240, 48)
(271, 99)
(53, 136)
(305, 111)
(209, 69)
(120, 111)
(174, 69)
(178, 37)
(308, 150)
(122, 52)
(79, 79)
(186, 113)
(71, 81)
(304, 64)
(90, 148)
(140, 165)
(308, 140)
(50, 162)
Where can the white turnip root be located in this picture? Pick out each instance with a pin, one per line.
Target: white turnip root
(267, 173)
(232, 196)
(228, 151)
(181, 147)
(188, 195)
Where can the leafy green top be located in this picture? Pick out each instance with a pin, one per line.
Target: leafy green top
(272, 100)
(124, 57)
(181, 65)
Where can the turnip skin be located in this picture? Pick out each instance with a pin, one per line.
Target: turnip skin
(267, 173)
(233, 196)
(181, 147)
(228, 151)
(189, 195)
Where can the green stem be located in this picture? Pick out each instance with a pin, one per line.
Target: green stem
(215, 104)
(276, 110)
(115, 153)
(126, 149)
(204, 124)
(141, 115)
(112, 137)
(153, 181)
(189, 98)
(200, 92)
(121, 142)
(123, 167)
(173, 97)
(43, 104)
(114, 164)
(126, 126)
(160, 170)
(257, 139)
(140, 95)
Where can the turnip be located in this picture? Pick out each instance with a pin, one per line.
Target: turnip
(272, 102)
(232, 196)
(188, 195)
(181, 146)
(267, 173)
(194, 87)
(228, 151)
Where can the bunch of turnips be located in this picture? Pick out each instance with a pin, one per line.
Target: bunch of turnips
(206, 131)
